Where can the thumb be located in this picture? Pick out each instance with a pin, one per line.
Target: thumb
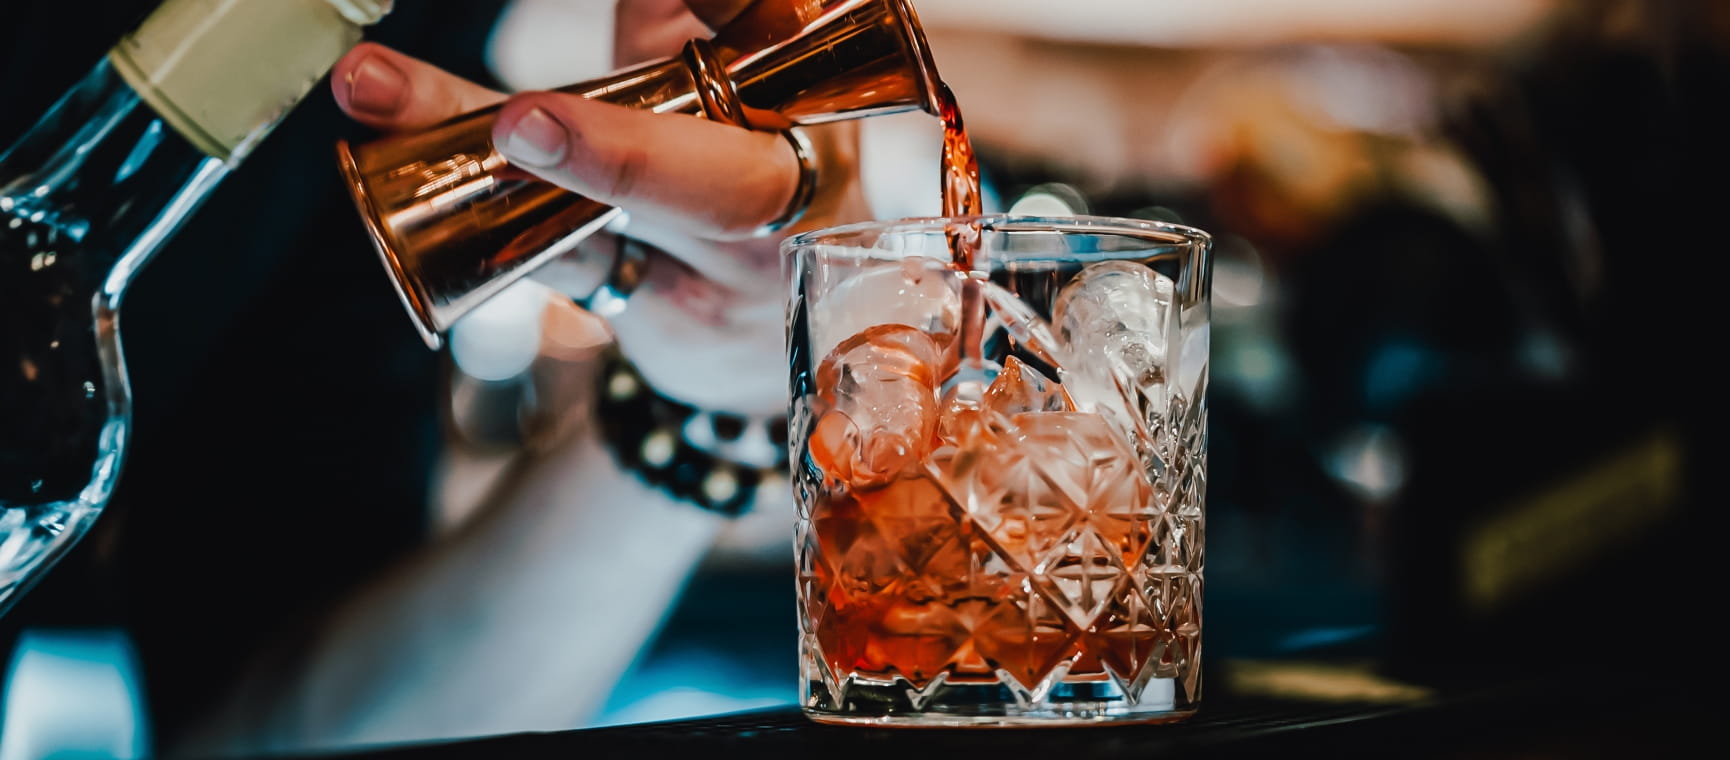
(713, 179)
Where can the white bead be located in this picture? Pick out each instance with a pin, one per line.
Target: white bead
(658, 448)
(621, 386)
(721, 485)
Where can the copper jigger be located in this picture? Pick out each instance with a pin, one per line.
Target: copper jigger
(455, 224)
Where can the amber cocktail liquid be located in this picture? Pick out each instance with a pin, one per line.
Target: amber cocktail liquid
(1001, 467)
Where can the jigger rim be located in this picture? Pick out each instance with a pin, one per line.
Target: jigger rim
(915, 36)
(419, 311)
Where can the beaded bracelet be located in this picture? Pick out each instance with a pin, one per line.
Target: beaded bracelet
(650, 435)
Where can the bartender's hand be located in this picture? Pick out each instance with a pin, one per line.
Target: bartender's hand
(709, 317)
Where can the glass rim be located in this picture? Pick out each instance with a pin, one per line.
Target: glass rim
(1165, 233)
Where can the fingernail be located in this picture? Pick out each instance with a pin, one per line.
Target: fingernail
(376, 87)
(537, 140)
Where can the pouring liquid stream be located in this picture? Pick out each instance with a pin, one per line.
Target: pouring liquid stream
(960, 173)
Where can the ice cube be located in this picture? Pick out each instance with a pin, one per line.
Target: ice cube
(1020, 388)
(880, 351)
(959, 411)
(878, 389)
(913, 294)
(1095, 387)
(987, 475)
(1118, 324)
(834, 445)
(1193, 360)
(964, 421)
(1086, 460)
(1124, 311)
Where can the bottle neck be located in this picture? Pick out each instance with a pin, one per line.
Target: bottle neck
(223, 74)
(130, 152)
(108, 175)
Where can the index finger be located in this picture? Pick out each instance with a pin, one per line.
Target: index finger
(645, 29)
(388, 90)
(714, 179)
(648, 29)
(716, 13)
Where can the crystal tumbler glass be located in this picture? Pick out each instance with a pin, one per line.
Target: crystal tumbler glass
(1001, 472)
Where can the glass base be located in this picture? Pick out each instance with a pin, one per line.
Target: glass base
(1106, 716)
(945, 705)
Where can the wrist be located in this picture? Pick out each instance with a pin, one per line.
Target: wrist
(712, 459)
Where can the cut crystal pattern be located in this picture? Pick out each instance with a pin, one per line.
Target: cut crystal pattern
(1041, 539)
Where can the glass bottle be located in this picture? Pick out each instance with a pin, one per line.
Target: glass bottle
(87, 195)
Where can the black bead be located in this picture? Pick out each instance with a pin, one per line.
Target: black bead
(728, 427)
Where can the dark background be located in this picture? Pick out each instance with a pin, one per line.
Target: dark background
(286, 413)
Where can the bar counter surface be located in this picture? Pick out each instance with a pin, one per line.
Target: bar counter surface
(1608, 715)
